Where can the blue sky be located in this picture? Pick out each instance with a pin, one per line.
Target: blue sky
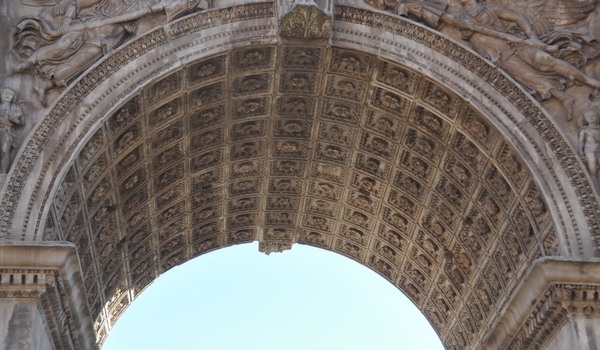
(305, 298)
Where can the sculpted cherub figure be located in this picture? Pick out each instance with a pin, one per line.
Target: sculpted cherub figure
(589, 142)
(10, 115)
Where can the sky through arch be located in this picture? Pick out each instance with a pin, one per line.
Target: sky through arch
(238, 298)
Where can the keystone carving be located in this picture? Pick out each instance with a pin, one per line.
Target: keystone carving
(306, 21)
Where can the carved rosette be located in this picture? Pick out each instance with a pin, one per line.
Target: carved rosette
(306, 21)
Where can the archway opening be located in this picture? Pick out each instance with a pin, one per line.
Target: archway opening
(306, 298)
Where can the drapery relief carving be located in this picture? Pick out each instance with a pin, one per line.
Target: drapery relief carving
(72, 35)
(550, 47)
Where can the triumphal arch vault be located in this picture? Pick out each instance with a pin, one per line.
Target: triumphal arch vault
(453, 147)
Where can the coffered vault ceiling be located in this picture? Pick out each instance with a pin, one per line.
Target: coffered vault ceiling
(328, 147)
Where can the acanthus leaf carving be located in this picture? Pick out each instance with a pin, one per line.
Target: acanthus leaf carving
(306, 21)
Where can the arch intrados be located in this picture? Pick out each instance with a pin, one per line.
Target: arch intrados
(486, 102)
(483, 100)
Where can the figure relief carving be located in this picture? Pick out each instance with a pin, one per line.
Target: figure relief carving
(588, 146)
(11, 115)
(58, 49)
(544, 59)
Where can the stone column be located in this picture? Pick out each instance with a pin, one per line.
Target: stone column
(555, 307)
(42, 298)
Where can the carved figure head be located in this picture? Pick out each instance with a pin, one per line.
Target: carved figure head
(591, 116)
(7, 95)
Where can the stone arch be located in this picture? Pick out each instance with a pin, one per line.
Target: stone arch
(368, 146)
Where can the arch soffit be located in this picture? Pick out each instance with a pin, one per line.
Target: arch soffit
(121, 87)
(78, 106)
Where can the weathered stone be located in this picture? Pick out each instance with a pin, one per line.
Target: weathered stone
(385, 140)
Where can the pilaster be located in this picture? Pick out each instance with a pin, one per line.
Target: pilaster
(42, 298)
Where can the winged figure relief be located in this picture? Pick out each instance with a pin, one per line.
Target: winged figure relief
(533, 41)
(79, 32)
(553, 22)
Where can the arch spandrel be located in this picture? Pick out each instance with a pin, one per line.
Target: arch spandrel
(382, 151)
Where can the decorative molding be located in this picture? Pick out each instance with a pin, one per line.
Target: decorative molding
(552, 289)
